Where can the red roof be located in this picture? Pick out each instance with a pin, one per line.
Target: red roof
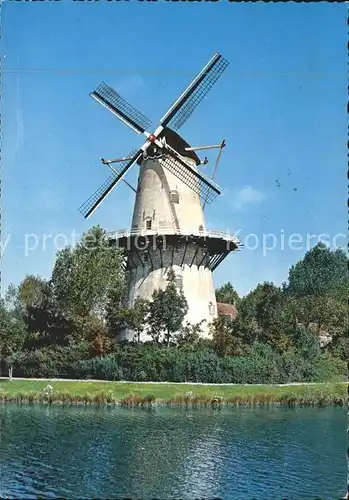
(227, 310)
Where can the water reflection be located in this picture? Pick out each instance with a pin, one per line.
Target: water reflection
(172, 453)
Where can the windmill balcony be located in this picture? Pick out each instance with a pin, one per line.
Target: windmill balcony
(170, 230)
(209, 247)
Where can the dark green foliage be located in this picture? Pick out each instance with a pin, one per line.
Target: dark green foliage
(12, 336)
(45, 322)
(227, 340)
(133, 318)
(268, 305)
(49, 362)
(84, 276)
(116, 314)
(321, 272)
(227, 294)
(167, 311)
(305, 341)
(146, 362)
(260, 317)
(189, 335)
(339, 347)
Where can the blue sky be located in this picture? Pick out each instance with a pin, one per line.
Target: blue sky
(280, 106)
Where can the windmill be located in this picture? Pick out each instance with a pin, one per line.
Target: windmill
(168, 227)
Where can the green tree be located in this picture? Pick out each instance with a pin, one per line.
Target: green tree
(227, 294)
(189, 334)
(116, 313)
(139, 317)
(225, 339)
(34, 302)
(321, 314)
(298, 311)
(12, 336)
(260, 317)
(339, 346)
(12, 301)
(167, 310)
(133, 318)
(305, 341)
(321, 272)
(268, 306)
(317, 293)
(329, 314)
(86, 275)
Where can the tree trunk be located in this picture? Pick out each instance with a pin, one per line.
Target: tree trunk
(10, 369)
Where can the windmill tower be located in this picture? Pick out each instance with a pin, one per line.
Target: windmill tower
(168, 226)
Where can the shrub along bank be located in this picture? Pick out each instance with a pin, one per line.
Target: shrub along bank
(147, 362)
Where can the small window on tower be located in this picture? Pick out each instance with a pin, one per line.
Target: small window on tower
(148, 224)
(174, 196)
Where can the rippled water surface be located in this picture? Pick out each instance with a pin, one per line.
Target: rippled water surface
(237, 454)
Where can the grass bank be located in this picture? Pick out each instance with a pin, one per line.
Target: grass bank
(143, 394)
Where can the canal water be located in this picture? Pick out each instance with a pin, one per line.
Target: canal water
(233, 454)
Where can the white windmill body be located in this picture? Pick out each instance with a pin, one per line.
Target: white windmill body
(168, 226)
(168, 207)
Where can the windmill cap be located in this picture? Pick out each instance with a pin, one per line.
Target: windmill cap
(177, 143)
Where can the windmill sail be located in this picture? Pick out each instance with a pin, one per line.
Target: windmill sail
(172, 120)
(102, 192)
(109, 98)
(195, 92)
(197, 181)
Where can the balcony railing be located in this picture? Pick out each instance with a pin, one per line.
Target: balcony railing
(208, 233)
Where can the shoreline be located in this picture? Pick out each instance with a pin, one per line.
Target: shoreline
(150, 394)
(209, 384)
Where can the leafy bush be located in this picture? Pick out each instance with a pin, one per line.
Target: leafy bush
(146, 362)
(339, 347)
(328, 368)
(48, 362)
(305, 341)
